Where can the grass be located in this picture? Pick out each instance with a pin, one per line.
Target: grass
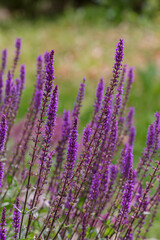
(84, 46)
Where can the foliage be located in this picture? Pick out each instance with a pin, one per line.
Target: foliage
(31, 8)
(117, 11)
(55, 185)
(114, 11)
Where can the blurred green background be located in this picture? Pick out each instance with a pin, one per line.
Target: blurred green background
(84, 35)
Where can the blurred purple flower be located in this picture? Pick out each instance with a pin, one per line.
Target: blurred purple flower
(16, 218)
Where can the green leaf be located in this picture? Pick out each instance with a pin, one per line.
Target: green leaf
(31, 236)
(80, 203)
(91, 232)
(109, 231)
(9, 179)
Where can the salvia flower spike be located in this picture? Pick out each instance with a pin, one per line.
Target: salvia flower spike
(3, 132)
(4, 60)
(16, 218)
(118, 63)
(17, 54)
(3, 231)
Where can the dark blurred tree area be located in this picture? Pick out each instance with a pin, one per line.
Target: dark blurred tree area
(115, 9)
(32, 7)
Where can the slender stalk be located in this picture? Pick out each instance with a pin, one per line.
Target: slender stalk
(31, 164)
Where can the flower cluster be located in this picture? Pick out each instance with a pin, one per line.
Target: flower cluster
(56, 183)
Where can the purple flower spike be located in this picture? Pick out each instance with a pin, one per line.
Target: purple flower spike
(1, 173)
(87, 148)
(17, 53)
(84, 227)
(94, 189)
(46, 57)
(18, 85)
(66, 125)
(86, 135)
(99, 95)
(2, 234)
(103, 183)
(105, 117)
(4, 60)
(98, 101)
(118, 100)
(39, 86)
(130, 116)
(150, 137)
(63, 142)
(22, 76)
(51, 115)
(3, 218)
(18, 45)
(118, 63)
(152, 145)
(112, 175)
(127, 161)
(8, 85)
(16, 219)
(130, 76)
(157, 132)
(38, 98)
(39, 65)
(127, 196)
(3, 231)
(132, 135)
(1, 86)
(3, 132)
(69, 201)
(78, 104)
(129, 235)
(113, 137)
(49, 71)
(72, 150)
(3, 66)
